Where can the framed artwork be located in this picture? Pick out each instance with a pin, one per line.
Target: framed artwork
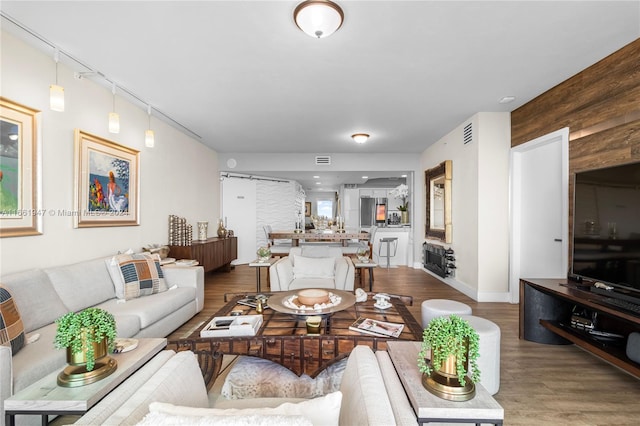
(21, 210)
(307, 209)
(107, 183)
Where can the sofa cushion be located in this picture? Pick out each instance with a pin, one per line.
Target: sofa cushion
(37, 359)
(310, 267)
(252, 377)
(158, 418)
(99, 414)
(11, 327)
(37, 300)
(83, 284)
(324, 410)
(178, 381)
(151, 309)
(402, 410)
(362, 377)
(136, 275)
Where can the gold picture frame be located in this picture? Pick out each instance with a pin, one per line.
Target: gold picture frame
(107, 184)
(21, 210)
(307, 209)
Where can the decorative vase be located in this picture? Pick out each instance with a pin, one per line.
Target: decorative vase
(222, 232)
(202, 230)
(404, 216)
(444, 383)
(76, 373)
(264, 254)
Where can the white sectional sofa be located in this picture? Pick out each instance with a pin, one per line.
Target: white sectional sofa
(170, 390)
(43, 295)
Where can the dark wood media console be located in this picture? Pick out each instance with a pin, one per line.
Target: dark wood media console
(212, 253)
(546, 307)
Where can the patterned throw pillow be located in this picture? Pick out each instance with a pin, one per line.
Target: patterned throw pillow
(11, 327)
(141, 275)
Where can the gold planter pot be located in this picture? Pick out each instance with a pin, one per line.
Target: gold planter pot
(443, 381)
(76, 373)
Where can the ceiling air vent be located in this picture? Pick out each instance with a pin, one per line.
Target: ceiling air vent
(323, 160)
(467, 134)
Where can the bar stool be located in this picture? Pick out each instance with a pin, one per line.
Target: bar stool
(388, 241)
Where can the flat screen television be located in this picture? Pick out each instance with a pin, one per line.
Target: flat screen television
(606, 226)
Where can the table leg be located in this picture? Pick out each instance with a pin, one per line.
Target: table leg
(370, 279)
(258, 279)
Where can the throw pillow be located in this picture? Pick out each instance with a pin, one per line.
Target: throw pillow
(11, 327)
(324, 410)
(156, 419)
(252, 377)
(310, 267)
(138, 275)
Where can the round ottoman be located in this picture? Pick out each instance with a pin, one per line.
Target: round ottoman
(489, 359)
(434, 308)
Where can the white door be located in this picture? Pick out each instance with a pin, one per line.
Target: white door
(239, 208)
(539, 209)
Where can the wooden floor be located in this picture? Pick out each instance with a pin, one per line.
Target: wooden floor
(539, 384)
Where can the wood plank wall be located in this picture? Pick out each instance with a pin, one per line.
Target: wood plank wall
(601, 107)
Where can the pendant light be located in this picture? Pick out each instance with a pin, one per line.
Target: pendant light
(149, 139)
(56, 92)
(114, 118)
(318, 18)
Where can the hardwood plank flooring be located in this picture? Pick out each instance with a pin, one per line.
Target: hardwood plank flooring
(539, 384)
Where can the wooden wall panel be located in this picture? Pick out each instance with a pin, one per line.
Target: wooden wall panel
(601, 108)
(602, 93)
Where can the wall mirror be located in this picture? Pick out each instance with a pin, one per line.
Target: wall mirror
(438, 205)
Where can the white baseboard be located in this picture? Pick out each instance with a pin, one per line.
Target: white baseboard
(470, 291)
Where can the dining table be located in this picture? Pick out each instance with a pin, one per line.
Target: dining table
(319, 236)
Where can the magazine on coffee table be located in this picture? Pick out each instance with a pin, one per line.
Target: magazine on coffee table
(377, 328)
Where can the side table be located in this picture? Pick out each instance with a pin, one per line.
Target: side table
(259, 266)
(45, 397)
(361, 267)
(430, 408)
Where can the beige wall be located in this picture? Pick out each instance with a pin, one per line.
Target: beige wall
(179, 176)
(480, 204)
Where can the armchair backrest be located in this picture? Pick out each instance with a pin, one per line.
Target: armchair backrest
(316, 251)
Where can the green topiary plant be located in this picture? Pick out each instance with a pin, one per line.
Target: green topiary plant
(445, 336)
(77, 331)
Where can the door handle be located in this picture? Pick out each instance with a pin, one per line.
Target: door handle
(557, 240)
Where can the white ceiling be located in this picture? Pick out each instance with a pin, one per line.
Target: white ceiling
(245, 79)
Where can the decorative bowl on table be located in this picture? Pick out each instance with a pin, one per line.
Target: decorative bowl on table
(312, 296)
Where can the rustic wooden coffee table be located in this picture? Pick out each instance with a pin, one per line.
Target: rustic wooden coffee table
(283, 337)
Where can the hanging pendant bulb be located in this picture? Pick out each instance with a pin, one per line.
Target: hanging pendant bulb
(149, 138)
(56, 92)
(114, 118)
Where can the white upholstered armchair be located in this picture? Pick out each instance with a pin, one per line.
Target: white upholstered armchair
(312, 267)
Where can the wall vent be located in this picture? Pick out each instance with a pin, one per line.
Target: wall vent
(323, 160)
(467, 134)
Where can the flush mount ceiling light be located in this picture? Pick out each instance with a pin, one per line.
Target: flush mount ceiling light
(360, 137)
(318, 18)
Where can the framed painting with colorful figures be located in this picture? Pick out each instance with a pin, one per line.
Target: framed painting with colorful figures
(107, 183)
(21, 212)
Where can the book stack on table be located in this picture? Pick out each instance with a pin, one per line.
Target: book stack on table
(240, 325)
